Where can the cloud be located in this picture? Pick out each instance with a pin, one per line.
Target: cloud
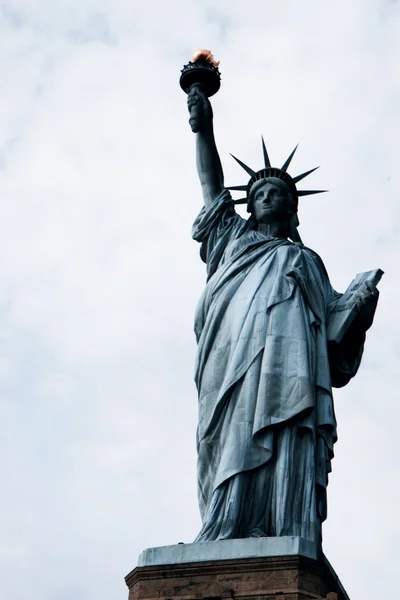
(99, 277)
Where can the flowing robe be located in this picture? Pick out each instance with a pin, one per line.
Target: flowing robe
(266, 419)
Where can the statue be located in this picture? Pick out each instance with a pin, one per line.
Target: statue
(273, 338)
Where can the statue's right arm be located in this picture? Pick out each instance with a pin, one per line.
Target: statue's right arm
(208, 163)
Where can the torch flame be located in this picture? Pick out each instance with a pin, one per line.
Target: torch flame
(205, 55)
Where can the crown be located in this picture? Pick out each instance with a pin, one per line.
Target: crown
(268, 172)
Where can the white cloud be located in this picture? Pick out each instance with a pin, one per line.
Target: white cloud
(99, 277)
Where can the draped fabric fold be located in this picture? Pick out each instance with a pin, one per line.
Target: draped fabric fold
(266, 418)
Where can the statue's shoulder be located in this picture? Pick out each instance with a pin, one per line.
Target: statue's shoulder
(308, 251)
(313, 257)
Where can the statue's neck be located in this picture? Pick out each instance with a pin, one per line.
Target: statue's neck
(277, 230)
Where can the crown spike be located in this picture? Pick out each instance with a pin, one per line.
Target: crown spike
(300, 177)
(237, 188)
(266, 157)
(288, 160)
(241, 201)
(245, 167)
(309, 192)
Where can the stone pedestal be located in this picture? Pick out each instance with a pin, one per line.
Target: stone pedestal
(250, 569)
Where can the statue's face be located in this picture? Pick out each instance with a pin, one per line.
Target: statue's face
(270, 201)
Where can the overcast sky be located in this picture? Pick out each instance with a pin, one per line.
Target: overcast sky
(99, 277)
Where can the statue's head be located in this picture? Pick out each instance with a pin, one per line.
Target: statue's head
(271, 199)
(271, 193)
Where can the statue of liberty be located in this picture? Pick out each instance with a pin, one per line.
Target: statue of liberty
(269, 352)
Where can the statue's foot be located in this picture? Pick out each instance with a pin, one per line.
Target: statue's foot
(256, 532)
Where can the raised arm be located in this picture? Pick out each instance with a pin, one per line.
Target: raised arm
(207, 158)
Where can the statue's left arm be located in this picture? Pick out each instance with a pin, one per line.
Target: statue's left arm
(345, 357)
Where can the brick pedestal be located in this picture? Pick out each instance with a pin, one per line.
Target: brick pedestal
(260, 578)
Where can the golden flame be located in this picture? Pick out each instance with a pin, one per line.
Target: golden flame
(205, 55)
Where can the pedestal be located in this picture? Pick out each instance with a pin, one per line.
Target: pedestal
(286, 568)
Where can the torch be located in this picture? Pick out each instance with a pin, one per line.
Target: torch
(202, 72)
